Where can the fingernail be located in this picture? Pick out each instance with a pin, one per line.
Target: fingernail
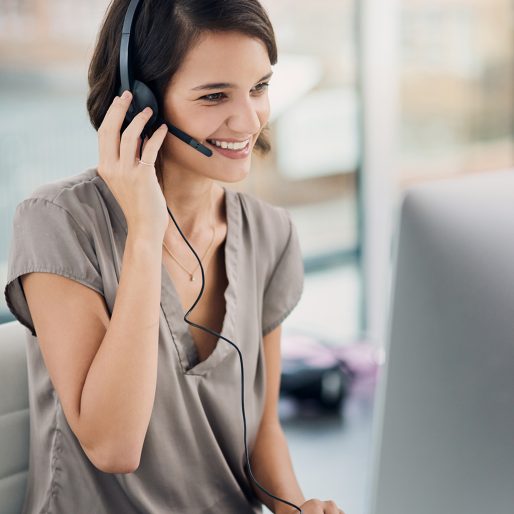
(126, 95)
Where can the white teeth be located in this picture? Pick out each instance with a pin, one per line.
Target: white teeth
(230, 146)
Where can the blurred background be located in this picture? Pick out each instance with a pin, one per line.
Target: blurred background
(367, 98)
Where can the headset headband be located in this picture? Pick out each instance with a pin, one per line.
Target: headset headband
(126, 76)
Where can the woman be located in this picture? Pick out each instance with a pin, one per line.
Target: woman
(132, 411)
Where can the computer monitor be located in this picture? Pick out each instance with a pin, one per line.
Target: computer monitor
(443, 434)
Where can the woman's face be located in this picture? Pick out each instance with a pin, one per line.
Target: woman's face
(237, 110)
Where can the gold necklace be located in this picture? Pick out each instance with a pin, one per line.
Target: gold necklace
(191, 273)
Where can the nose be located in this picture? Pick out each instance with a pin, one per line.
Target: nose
(245, 118)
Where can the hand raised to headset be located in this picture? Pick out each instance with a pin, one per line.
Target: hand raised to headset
(133, 184)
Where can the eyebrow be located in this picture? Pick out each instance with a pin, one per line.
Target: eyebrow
(221, 85)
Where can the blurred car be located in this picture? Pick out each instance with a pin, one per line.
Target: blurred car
(323, 372)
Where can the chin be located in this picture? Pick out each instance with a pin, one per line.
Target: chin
(229, 176)
(222, 169)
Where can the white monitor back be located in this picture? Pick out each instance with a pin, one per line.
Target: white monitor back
(444, 422)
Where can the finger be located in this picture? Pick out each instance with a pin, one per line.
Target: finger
(152, 146)
(109, 130)
(330, 507)
(139, 143)
(131, 135)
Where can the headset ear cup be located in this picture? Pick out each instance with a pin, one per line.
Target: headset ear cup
(143, 97)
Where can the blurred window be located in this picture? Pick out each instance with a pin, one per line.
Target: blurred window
(457, 87)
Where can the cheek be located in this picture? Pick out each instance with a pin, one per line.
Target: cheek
(197, 121)
(201, 121)
(263, 111)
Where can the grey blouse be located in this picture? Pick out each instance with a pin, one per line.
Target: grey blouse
(193, 458)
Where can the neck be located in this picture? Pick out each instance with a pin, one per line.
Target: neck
(193, 201)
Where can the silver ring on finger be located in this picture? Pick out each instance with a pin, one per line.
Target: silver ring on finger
(146, 163)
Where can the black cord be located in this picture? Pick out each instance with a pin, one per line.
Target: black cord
(206, 329)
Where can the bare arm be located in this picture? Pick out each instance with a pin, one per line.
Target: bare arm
(119, 391)
(104, 371)
(270, 460)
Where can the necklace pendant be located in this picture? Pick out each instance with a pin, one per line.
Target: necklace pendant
(192, 278)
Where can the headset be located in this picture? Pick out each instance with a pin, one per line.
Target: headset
(142, 96)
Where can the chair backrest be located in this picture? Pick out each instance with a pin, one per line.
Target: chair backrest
(14, 418)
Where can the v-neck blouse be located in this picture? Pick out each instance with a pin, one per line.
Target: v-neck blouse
(193, 458)
(173, 309)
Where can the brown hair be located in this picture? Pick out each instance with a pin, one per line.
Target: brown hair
(156, 56)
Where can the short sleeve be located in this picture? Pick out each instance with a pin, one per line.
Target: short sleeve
(285, 285)
(46, 238)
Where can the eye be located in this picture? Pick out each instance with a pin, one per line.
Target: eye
(264, 86)
(212, 97)
(215, 97)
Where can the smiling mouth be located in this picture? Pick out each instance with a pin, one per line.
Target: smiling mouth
(226, 147)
